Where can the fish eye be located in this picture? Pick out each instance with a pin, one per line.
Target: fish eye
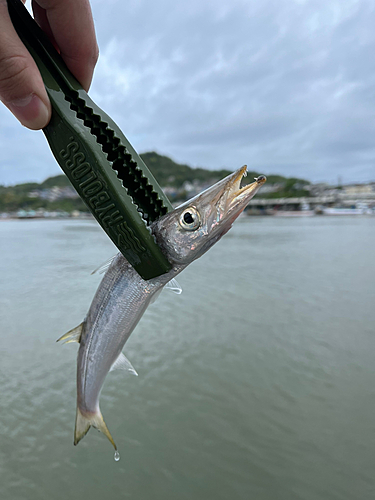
(190, 219)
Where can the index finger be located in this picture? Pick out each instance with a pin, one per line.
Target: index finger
(70, 25)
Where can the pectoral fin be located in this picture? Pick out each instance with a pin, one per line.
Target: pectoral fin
(174, 286)
(73, 335)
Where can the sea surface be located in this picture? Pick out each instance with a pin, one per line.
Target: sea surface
(257, 382)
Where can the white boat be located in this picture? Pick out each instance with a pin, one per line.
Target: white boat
(341, 211)
(294, 213)
(304, 212)
(359, 209)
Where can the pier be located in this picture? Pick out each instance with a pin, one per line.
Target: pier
(313, 202)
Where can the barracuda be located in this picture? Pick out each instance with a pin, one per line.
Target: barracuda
(184, 235)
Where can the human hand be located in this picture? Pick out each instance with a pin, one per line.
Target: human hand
(70, 26)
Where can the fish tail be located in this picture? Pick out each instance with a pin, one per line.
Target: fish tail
(85, 421)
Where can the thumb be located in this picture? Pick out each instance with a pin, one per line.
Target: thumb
(21, 85)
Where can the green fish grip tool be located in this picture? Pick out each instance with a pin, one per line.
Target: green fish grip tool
(101, 164)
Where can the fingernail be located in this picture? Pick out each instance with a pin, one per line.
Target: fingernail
(30, 111)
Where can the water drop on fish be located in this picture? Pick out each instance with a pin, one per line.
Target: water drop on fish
(117, 456)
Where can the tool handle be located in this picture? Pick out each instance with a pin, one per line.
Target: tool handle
(99, 161)
(49, 62)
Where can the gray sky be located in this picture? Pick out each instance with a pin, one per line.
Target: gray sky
(284, 86)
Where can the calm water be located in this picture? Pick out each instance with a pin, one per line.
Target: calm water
(258, 382)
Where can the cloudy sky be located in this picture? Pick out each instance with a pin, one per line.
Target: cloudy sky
(284, 86)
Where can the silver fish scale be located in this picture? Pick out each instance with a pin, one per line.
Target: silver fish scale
(118, 305)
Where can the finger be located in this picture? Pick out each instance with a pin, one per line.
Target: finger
(21, 86)
(70, 25)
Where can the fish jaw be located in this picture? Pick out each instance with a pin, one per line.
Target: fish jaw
(234, 199)
(230, 201)
(235, 193)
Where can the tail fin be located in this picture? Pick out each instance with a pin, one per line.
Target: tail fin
(83, 424)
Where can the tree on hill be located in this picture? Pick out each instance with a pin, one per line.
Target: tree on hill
(58, 180)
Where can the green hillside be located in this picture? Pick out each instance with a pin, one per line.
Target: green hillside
(169, 173)
(58, 180)
(166, 171)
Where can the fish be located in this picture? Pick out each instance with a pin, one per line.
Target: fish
(184, 235)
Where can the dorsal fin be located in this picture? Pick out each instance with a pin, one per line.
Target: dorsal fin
(102, 268)
(73, 335)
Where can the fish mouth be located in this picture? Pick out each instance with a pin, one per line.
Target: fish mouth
(234, 198)
(237, 196)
